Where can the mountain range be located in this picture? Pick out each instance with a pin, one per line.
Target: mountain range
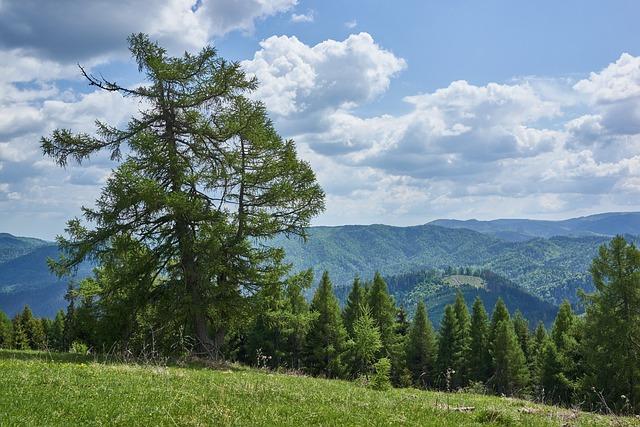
(548, 260)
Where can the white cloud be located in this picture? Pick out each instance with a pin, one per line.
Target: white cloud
(351, 24)
(297, 78)
(304, 17)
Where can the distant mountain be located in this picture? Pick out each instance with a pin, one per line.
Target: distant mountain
(12, 247)
(26, 279)
(549, 259)
(550, 268)
(606, 224)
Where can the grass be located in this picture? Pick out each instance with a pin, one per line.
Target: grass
(59, 389)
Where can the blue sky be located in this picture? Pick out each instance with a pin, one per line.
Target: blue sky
(407, 110)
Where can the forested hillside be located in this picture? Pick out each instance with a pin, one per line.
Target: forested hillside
(439, 289)
(552, 269)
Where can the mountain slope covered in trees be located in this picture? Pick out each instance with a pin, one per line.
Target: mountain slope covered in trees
(552, 269)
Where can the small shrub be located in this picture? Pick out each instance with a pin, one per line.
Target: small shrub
(78, 347)
(381, 378)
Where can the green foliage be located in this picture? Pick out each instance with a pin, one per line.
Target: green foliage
(353, 306)
(479, 356)
(327, 337)
(511, 375)
(6, 331)
(383, 311)
(612, 328)
(421, 348)
(449, 348)
(521, 327)
(364, 344)
(381, 378)
(556, 386)
(462, 368)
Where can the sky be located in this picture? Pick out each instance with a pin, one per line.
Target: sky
(408, 110)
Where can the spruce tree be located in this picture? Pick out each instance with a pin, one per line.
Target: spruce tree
(535, 366)
(20, 339)
(327, 337)
(353, 306)
(500, 313)
(57, 332)
(562, 327)
(612, 327)
(421, 348)
(449, 352)
(383, 311)
(555, 386)
(32, 328)
(364, 344)
(300, 316)
(479, 356)
(6, 330)
(511, 375)
(462, 368)
(521, 327)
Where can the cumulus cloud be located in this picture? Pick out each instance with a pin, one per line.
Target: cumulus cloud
(300, 79)
(538, 146)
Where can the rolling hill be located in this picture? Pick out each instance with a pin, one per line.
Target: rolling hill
(552, 269)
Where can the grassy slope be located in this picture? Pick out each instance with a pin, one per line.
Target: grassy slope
(38, 390)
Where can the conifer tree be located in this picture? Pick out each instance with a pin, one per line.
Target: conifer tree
(300, 317)
(462, 368)
(521, 327)
(57, 332)
(202, 175)
(511, 375)
(353, 306)
(32, 328)
(535, 366)
(383, 312)
(612, 326)
(421, 348)
(562, 327)
(327, 337)
(6, 330)
(449, 351)
(20, 339)
(479, 356)
(556, 387)
(365, 343)
(500, 313)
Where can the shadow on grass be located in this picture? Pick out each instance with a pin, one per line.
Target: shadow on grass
(74, 358)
